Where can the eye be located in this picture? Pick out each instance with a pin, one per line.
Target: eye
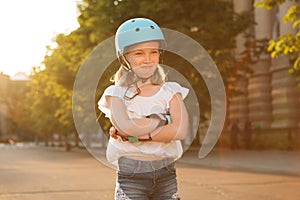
(138, 53)
(155, 52)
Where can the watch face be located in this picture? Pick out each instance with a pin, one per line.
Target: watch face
(133, 139)
(168, 117)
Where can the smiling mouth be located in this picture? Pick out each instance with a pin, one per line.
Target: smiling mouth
(147, 66)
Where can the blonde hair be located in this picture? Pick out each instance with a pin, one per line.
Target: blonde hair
(123, 77)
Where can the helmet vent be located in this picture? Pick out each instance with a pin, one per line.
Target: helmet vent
(137, 29)
(152, 27)
(133, 20)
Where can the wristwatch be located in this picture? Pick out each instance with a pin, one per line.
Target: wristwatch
(163, 119)
(134, 139)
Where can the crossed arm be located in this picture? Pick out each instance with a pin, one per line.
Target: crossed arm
(177, 130)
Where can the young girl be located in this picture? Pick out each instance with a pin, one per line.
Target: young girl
(148, 113)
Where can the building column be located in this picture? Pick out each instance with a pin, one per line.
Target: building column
(238, 108)
(286, 111)
(259, 83)
(3, 108)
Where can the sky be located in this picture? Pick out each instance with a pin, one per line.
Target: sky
(28, 26)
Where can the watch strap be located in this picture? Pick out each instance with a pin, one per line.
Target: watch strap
(163, 120)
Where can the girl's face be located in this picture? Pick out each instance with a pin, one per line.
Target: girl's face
(144, 58)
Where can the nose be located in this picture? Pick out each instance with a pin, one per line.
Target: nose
(147, 58)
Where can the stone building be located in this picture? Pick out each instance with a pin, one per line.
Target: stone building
(12, 94)
(4, 79)
(270, 100)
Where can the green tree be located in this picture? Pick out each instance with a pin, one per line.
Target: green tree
(208, 22)
(51, 88)
(212, 23)
(13, 97)
(41, 108)
(288, 44)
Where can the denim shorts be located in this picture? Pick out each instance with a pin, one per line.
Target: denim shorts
(146, 180)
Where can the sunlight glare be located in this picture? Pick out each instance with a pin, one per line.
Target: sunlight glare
(28, 27)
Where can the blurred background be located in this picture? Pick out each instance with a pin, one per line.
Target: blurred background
(255, 45)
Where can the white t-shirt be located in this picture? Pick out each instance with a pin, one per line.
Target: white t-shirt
(140, 107)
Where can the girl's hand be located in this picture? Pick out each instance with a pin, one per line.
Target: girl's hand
(113, 132)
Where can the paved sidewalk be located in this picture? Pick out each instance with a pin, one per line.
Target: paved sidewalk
(263, 161)
(259, 161)
(29, 172)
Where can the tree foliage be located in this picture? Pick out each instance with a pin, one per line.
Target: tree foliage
(13, 97)
(212, 23)
(288, 44)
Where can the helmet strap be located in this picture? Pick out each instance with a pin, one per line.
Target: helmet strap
(143, 80)
(138, 78)
(125, 64)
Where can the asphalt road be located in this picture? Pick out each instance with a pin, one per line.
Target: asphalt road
(39, 173)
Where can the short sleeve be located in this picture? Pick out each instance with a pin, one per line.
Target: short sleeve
(109, 92)
(172, 88)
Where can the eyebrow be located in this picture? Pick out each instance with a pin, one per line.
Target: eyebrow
(143, 49)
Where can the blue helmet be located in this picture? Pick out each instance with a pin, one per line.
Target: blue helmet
(137, 30)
